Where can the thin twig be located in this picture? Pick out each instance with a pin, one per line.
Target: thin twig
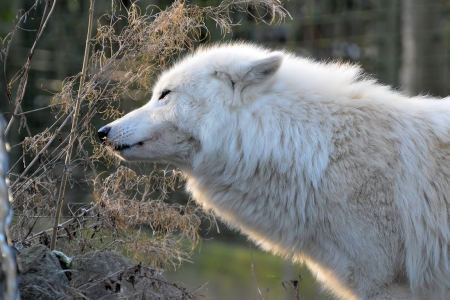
(32, 111)
(8, 46)
(42, 151)
(74, 125)
(83, 213)
(254, 274)
(23, 81)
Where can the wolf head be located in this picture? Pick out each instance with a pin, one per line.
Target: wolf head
(192, 102)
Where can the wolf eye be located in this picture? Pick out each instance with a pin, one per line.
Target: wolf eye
(164, 94)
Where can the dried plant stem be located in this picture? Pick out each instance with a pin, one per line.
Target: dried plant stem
(36, 158)
(37, 109)
(254, 274)
(75, 218)
(74, 125)
(24, 79)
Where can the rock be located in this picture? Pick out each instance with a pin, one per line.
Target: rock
(106, 275)
(101, 275)
(41, 275)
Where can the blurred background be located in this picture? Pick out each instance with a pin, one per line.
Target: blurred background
(405, 44)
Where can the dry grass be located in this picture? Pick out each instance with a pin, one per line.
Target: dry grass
(129, 212)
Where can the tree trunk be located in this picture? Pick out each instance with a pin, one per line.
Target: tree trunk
(424, 61)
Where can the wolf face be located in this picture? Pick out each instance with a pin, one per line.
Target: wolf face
(187, 103)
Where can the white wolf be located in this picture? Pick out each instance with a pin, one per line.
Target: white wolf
(312, 161)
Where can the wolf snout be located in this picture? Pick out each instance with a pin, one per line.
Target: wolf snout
(103, 133)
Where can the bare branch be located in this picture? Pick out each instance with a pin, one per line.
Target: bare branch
(26, 67)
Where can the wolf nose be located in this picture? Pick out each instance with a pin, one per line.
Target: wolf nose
(103, 133)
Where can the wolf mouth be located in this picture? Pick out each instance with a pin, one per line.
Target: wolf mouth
(125, 146)
(121, 147)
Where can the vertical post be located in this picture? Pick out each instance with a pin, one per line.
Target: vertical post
(8, 269)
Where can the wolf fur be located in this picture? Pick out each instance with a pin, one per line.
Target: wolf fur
(312, 161)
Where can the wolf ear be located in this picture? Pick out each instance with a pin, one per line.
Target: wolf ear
(262, 69)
